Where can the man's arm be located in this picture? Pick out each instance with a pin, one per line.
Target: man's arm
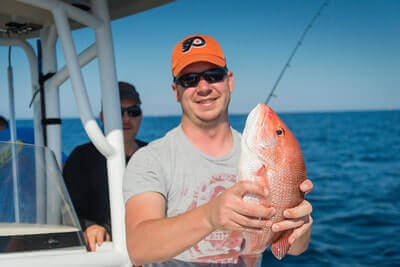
(153, 238)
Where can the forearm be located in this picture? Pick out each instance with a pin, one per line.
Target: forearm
(153, 238)
(157, 240)
(301, 244)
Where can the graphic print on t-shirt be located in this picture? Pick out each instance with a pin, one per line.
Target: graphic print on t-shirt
(219, 246)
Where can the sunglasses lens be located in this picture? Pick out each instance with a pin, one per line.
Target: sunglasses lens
(189, 80)
(133, 111)
(214, 75)
(211, 76)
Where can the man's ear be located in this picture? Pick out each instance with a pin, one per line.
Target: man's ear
(175, 89)
(231, 81)
(101, 117)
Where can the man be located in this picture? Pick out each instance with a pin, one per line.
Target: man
(85, 172)
(24, 134)
(3, 123)
(184, 205)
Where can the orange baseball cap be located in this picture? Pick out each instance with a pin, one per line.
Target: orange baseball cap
(196, 48)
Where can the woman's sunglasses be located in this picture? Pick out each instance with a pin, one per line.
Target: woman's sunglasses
(192, 79)
(132, 111)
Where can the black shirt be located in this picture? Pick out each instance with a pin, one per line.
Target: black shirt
(85, 175)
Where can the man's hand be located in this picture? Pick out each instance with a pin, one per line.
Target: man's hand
(229, 211)
(298, 218)
(95, 234)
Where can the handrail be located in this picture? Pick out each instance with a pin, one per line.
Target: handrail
(78, 85)
(59, 11)
(112, 124)
(84, 58)
(111, 144)
(33, 66)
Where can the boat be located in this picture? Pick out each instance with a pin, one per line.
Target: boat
(38, 224)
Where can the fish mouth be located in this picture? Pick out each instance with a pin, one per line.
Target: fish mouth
(257, 121)
(257, 118)
(252, 117)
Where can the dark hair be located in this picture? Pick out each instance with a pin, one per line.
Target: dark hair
(3, 122)
(127, 90)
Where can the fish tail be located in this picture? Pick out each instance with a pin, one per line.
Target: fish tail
(280, 247)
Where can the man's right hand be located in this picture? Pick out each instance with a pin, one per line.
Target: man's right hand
(229, 211)
(95, 234)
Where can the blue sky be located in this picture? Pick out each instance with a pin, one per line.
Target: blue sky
(350, 59)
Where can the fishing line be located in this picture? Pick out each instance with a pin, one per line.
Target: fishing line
(299, 43)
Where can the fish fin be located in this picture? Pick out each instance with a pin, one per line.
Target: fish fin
(262, 171)
(280, 247)
(261, 175)
(250, 260)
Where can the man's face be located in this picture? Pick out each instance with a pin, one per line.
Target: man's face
(130, 125)
(204, 102)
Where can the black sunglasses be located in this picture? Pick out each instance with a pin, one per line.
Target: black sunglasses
(192, 79)
(133, 111)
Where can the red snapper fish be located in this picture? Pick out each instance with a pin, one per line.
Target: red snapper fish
(271, 155)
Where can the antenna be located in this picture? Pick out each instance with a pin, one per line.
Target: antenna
(287, 65)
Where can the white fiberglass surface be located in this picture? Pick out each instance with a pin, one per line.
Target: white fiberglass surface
(36, 212)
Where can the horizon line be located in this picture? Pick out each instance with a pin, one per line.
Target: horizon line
(245, 114)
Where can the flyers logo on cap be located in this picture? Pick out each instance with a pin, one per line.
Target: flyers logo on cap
(196, 41)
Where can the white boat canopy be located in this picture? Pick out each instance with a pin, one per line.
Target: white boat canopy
(21, 12)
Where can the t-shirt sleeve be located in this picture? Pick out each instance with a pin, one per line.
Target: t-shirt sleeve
(144, 173)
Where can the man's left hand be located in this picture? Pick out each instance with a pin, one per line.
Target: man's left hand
(299, 219)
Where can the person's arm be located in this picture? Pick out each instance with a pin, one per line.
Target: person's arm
(153, 238)
(76, 180)
(298, 218)
(76, 177)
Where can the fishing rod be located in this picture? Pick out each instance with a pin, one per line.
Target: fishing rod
(308, 27)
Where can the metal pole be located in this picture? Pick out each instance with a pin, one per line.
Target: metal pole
(52, 98)
(39, 156)
(48, 39)
(112, 123)
(78, 85)
(13, 138)
(84, 58)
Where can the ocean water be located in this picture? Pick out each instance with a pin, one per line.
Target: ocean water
(353, 159)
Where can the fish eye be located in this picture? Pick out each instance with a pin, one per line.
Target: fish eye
(280, 131)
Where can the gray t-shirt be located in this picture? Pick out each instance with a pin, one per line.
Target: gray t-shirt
(187, 178)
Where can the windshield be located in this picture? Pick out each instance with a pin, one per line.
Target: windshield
(36, 212)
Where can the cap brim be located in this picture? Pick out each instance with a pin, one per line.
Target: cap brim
(198, 58)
